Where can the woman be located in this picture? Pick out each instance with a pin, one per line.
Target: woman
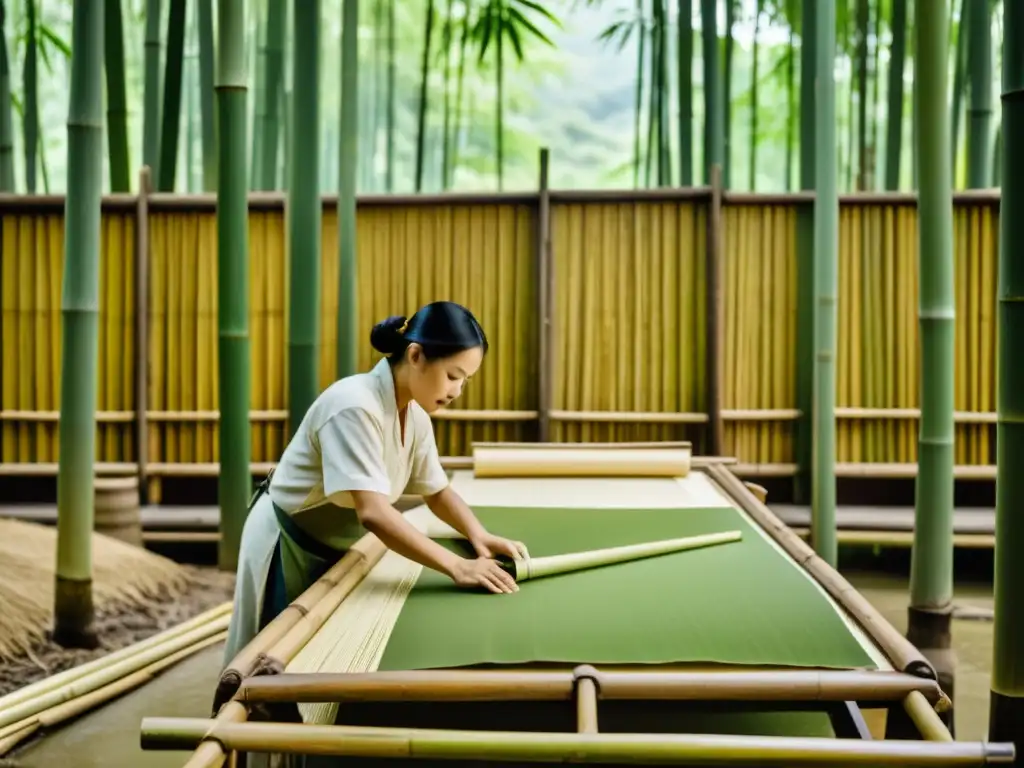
(366, 440)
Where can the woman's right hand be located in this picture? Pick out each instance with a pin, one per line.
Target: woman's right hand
(483, 571)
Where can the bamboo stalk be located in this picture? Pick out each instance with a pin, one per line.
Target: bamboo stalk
(1006, 719)
(615, 685)
(233, 358)
(338, 740)
(10, 738)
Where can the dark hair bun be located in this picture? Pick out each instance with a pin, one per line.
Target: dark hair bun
(386, 335)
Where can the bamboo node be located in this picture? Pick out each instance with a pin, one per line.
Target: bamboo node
(586, 672)
(228, 685)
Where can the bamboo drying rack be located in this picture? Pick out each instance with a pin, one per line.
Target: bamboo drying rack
(254, 682)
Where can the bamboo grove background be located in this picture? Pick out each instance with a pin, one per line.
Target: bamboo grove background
(631, 311)
(461, 94)
(451, 95)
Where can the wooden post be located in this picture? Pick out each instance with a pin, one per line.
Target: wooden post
(545, 290)
(715, 316)
(142, 331)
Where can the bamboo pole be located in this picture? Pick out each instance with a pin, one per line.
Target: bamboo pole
(68, 676)
(291, 628)
(73, 597)
(304, 224)
(826, 250)
(109, 673)
(1006, 719)
(715, 349)
(235, 484)
(73, 707)
(925, 718)
(141, 330)
(931, 575)
(282, 638)
(545, 294)
(165, 733)
(348, 156)
(543, 685)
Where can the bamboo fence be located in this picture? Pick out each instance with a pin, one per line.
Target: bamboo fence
(614, 316)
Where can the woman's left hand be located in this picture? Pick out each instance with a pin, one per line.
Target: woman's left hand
(489, 545)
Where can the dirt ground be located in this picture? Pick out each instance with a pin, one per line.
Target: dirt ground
(210, 587)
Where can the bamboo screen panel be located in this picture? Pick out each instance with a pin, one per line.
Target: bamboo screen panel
(878, 364)
(32, 270)
(183, 380)
(629, 317)
(759, 274)
(479, 255)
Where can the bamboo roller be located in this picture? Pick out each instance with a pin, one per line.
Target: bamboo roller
(499, 461)
(538, 567)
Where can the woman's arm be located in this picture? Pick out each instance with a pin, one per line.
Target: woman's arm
(386, 523)
(449, 507)
(396, 533)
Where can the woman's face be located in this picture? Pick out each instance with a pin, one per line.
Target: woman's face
(436, 384)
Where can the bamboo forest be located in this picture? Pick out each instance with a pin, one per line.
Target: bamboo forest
(511, 381)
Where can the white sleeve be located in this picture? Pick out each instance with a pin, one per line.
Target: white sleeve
(427, 476)
(352, 453)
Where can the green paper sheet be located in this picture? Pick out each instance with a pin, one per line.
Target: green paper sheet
(737, 603)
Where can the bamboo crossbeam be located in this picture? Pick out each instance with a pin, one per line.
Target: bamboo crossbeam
(880, 538)
(166, 733)
(506, 415)
(271, 200)
(877, 470)
(544, 685)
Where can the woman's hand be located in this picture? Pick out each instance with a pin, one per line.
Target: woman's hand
(488, 545)
(483, 572)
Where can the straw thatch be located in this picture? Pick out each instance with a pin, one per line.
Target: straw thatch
(123, 576)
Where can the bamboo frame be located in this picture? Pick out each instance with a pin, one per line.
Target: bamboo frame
(276, 645)
(613, 685)
(163, 733)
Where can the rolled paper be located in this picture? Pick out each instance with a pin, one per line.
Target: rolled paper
(500, 462)
(537, 567)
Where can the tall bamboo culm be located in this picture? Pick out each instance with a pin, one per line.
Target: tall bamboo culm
(826, 271)
(232, 279)
(73, 599)
(1006, 716)
(348, 158)
(304, 215)
(931, 571)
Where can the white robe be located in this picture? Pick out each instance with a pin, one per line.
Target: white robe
(349, 440)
